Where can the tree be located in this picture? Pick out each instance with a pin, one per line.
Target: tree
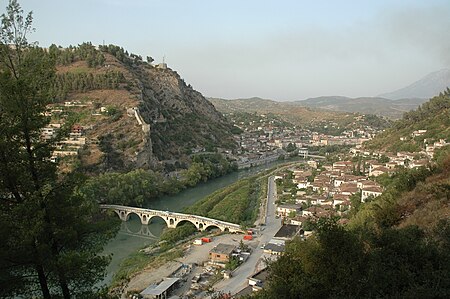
(50, 235)
(291, 147)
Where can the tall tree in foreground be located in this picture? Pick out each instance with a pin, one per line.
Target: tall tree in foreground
(51, 234)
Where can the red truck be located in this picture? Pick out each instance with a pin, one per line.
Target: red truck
(248, 237)
(206, 240)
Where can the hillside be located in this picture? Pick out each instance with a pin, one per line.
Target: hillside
(427, 87)
(365, 105)
(432, 116)
(134, 114)
(290, 111)
(319, 120)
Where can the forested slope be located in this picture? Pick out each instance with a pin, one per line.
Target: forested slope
(433, 116)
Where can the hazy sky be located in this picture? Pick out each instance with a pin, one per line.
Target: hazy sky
(283, 50)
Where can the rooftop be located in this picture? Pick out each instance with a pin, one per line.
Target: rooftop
(373, 189)
(157, 290)
(274, 247)
(287, 231)
(223, 248)
(289, 206)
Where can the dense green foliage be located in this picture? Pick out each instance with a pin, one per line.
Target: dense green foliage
(85, 51)
(132, 188)
(238, 203)
(81, 80)
(206, 166)
(51, 235)
(66, 83)
(138, 186)
(341, 263)
(122, 55)
(433, 116)
(174, 235)
(197, 130)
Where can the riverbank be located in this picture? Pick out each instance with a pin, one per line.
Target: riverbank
(125, 248)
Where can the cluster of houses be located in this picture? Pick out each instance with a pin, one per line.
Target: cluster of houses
(68, 146)
(76, 139)
(328, 192)
(266, 139)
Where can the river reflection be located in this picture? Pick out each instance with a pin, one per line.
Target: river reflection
(134, 236)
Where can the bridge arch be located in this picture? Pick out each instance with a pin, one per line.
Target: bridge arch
(131, 214)
(150, 217)
(184, 221)
(123, 215)
(212, 226)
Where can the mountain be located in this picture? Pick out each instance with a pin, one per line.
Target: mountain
(320, 120)
(290, 111)
(253, 104)
(432, 116)
(427, 87)
(365, 105)
(134, 114)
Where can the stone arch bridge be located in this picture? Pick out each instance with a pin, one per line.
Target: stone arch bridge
(172, 219)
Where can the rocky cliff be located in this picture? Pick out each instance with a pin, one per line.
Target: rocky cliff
(134, 114)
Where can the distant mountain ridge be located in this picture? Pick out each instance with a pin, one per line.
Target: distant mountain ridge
(321, 106)
(427, 87)
(392, 105)
(291, 111)
(365, 105)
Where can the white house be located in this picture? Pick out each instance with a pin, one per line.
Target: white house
(285, 210)
(370, 191)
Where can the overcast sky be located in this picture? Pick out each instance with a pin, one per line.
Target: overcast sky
(283, 50)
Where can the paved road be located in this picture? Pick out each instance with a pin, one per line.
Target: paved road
(239, 279)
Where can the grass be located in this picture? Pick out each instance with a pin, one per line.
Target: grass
(238, 203)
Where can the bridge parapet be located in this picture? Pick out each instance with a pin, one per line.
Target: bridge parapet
(172, 219)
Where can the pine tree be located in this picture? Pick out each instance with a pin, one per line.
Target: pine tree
(51, 235)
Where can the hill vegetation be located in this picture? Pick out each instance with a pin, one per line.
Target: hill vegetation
(365, 105)
(139, 186)
(237, 203)
(293, 113)
(432, 116)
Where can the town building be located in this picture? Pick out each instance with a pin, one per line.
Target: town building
(221, 254)
(372, 191)
(286, 209)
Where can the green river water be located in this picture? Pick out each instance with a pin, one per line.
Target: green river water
(134, 236)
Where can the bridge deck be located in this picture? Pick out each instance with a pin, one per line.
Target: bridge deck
(182, 216)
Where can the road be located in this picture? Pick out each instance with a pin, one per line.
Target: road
(254, 263)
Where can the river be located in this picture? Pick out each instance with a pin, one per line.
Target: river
(134, 236)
